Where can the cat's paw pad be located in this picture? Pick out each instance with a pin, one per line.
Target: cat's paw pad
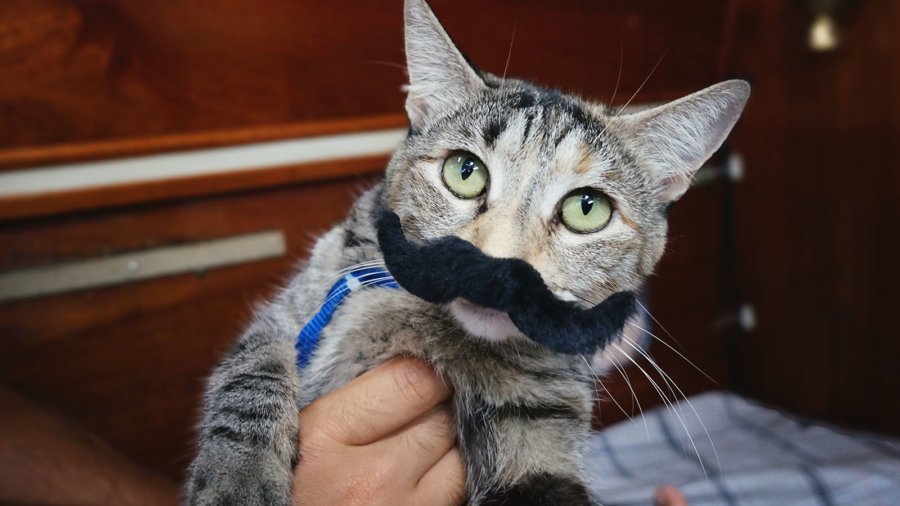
(219, 486)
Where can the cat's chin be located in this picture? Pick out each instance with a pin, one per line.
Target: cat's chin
(482, 322)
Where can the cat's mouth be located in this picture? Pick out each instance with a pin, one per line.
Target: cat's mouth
(483, 322)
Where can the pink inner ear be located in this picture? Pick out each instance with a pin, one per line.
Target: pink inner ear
(673, 187)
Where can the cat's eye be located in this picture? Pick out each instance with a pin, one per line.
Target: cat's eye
(586, 210)
(465, 174)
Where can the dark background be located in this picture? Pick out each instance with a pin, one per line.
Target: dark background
(808, 238)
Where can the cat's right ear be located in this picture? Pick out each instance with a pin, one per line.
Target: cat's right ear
(676, 138)
(440, 78)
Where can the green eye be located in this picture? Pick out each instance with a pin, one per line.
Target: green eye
(465, 174)
(586, 210)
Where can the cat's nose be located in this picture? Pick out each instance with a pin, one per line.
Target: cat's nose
(500, 245)
(498, 236)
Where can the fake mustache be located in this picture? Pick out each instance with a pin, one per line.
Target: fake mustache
(450, 268)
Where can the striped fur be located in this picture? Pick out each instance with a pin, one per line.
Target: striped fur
(522, 412)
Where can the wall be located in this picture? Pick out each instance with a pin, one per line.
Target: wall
(818, 215)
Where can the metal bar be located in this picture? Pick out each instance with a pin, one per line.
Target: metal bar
(140, 265)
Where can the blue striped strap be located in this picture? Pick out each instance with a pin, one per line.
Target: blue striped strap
(309, 337)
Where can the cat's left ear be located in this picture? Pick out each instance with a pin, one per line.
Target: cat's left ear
(675, 139)
(440, 78)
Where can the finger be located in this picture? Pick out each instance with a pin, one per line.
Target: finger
(667, 495)
(445, 483)
(417, 447)
(378, 402)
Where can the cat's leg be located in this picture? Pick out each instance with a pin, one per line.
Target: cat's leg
(541, 489)
(521, 455)
(250, 428)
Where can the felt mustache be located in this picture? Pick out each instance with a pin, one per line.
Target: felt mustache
(450, 268)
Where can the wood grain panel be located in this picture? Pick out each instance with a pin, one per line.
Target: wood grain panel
(77, 72)
(819, 212)
(129, 362)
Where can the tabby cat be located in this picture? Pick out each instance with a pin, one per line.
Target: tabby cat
(571, 188)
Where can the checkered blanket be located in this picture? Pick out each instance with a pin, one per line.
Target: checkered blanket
(760, 457)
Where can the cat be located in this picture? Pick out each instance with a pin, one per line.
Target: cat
(573, 189)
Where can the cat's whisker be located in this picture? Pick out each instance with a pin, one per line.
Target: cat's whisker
(676, 351)
(666, 379)
(618, 79)
(631, 343)
(618, 365)
(656, 386)
(387, 64)
(625, 377)
(598, 380)
(666, 401)
(338, 274)
(585, 300)
(699, 419)
(450, 330)
(670, 406)
(661, 326)
(641, 86)
(622, 109)
(509, 54)
(516, 349)
(662, 395)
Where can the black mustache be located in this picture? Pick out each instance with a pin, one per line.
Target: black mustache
(450, 268)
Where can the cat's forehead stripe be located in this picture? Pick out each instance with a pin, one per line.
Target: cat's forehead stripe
(493, 129)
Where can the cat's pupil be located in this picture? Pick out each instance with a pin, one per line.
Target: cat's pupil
(587, 202)
(467, 169)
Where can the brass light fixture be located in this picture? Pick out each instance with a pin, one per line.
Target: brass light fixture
(824, 34)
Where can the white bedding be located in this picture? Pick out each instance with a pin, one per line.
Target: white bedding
(764, 458)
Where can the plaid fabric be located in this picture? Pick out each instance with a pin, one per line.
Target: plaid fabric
(764, 458)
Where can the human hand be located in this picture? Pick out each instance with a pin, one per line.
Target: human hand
(667, 495)
(385, 438)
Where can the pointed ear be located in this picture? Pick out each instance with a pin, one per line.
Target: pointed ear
(675, 139)
(440, 78)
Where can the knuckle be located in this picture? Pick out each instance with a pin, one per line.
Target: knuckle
(444, 420)
(415, 381)
(421, 441)
(314, 437)
(331, 427)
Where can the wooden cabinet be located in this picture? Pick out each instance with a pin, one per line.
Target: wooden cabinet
(807, 239)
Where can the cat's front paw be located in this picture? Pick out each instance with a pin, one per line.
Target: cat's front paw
(541, 489)
(237, 482)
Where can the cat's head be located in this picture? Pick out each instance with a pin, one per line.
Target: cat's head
(573, 188)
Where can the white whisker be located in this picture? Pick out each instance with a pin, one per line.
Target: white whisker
(618, 79)
(619, 113)
(660, 325)
(676, 351)
(656, 386)
(611, 396)
(703, 425)
(669, 405)
(619, 367)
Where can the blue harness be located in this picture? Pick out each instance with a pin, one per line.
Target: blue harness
(351, 282)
